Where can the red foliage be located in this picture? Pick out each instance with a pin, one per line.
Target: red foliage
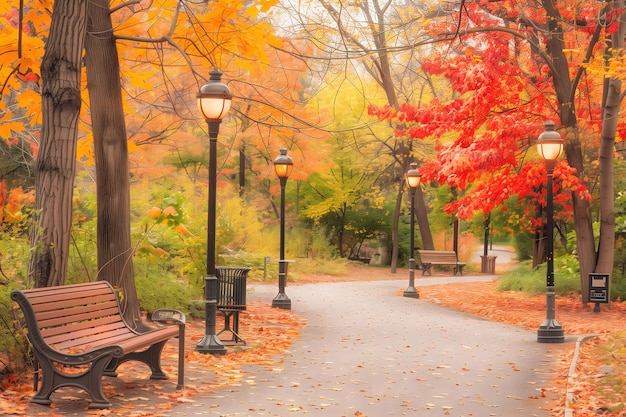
(485, 129)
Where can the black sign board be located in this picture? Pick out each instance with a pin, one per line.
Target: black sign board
(599, 288)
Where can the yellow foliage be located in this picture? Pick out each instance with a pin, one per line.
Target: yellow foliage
(138, 79)
(132, 146)
(84, 150)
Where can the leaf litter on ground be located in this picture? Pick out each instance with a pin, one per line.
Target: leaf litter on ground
(597, 389)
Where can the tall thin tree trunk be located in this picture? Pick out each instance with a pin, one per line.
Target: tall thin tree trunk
(56, 162)
(115, 251)
(395, 248)
(421, 212)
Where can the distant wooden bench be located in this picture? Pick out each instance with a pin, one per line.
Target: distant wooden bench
(78, 335)
(428, 258)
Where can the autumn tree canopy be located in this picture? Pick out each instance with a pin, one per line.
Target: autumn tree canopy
(510, 66)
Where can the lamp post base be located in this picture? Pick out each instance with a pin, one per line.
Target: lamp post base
(411, 292)
(281, 301)
(550, 331)
(211, 344)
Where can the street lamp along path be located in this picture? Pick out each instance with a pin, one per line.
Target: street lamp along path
(412, 178)
(550, 147)
(283, 165)
(214, 100)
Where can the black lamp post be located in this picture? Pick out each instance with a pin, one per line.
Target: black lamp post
(214, 101)
(412, 178)
(282, 166)
(550, 147)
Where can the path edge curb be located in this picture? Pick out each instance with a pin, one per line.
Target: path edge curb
(571, 375)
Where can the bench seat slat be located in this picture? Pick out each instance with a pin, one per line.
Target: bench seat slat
(88, 342)
(126, 340)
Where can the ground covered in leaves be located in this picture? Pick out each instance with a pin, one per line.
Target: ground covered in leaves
(268, 332)
(597, 387)
(598, 383)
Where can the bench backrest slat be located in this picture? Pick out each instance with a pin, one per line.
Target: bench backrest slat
(52, 302)
(437, 256)
(37, 295)
(59, 317)
(74, 329)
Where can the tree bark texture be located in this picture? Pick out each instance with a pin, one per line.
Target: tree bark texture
(55, 167)
(612, 98)
(115, 251)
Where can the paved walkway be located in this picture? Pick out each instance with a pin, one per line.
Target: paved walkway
(368, 352)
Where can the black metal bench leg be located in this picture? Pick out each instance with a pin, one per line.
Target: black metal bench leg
(150, 356)
(47, 383)
(181, 357)
(90, 380)
(94, 384)
(426, 269)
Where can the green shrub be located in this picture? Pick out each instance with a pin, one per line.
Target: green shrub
(618, 287)
(531, 280)
(523, 244)
(14, 348)
(163, 291)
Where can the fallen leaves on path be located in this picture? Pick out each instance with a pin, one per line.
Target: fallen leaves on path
(520, 309)
(268, 331)
(599, 385)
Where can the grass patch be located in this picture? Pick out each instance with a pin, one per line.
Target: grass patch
(332, 267)
(531, 280)
(611, 387)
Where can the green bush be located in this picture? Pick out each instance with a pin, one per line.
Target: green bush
(531, 280)
(14, 348)
(163, 291)
(523, 243)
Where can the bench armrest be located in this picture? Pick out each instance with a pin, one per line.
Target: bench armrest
(168, 316)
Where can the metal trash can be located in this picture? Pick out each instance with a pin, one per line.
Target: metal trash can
(232, 299)
(488, 264)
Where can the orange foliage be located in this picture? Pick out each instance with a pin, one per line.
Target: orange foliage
(11, 204)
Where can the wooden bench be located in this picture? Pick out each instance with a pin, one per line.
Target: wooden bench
(78, 335)
(428, 258)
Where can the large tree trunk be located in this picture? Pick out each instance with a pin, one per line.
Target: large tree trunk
(611, 102)
(56, 162)
(563, 86)
(111, 154)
